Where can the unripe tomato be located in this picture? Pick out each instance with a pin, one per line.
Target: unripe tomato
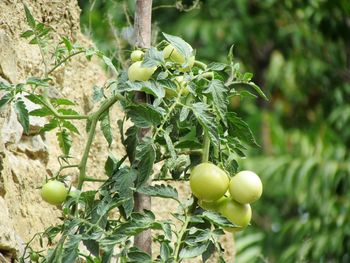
(54, 192)
(171, 53)
(208, 182)
(182, 85)
(245, 187)
(139, 73)
(211, 206)
(136, 55)
(34, 256)
(236, 213)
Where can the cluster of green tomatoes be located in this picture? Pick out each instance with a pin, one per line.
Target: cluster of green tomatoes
(136, 72)
(229, 197)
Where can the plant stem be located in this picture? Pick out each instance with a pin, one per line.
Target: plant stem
(94, 119)
(91, 179)
(200, 64)
(82, 165)
(48, 104)
(64, 60)
(192, 208)
(184, 227)
(206, 147)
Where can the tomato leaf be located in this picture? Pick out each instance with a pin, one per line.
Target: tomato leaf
(240, 129)
(27, 33)
(64, 141)
(152, 58)
(106, 127)
(131, 141)
(70, 126)
(38, 81)
(138, 222)
(62, 101)
(210, 250)
(42, 112)
(67, 43)
(218, 92)
(150, 87)
(122, 182)
(169, 144)
(144, 159)
(23, 115)
(217, 219)
(136, 255)
(144, 115)
(5, 99)
(160, 190)
(206, 120)
(216, 66)
(109, 63)
(35, 98)
(67, 112)
(193, 251)
(181, 45)
(97, 94)
(50, 126)
(71, 248)
(29, 17)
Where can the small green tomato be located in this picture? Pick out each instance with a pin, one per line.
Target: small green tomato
(54, 192)
(236, 213)
(136, 55)
(171, 53)
(245, 187)
(208, 182)
(138, 73)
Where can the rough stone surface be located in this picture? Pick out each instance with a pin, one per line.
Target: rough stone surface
(26, 160)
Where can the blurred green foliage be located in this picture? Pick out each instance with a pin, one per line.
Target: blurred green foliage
(300, 54)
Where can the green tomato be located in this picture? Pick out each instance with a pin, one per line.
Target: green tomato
(34, 256)
(136, 55)
(236, 213)
(171, 53)
(208, 182)
(181, 85)
(245, 187)
(138, 73)
(211, 206)
(54, 192)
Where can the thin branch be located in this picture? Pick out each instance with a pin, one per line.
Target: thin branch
(64, 60)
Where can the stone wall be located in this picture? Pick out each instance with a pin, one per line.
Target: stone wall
(25, 161)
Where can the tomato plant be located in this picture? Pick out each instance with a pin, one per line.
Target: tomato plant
(193, 136)
(54, 192)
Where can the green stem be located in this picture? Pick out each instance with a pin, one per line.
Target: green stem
(172, 107)
(83, 162)
(206, 147)
(64, 60)
(91, 179)
(94, 119)
(192, 208)
(184, 227)
(200, 64)
(48, 104)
